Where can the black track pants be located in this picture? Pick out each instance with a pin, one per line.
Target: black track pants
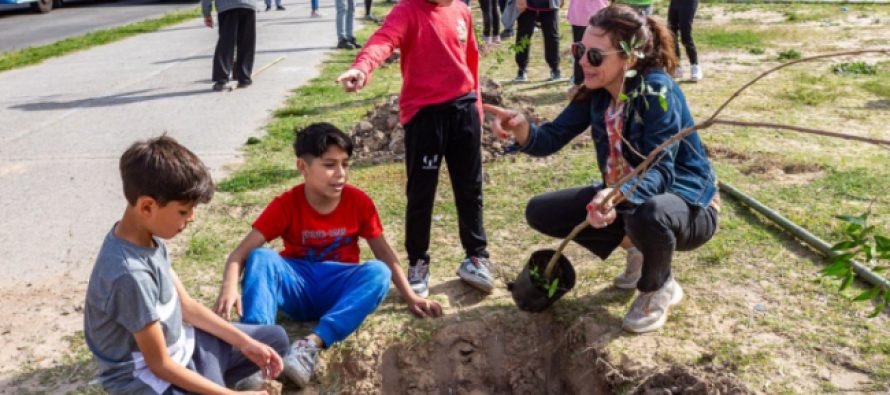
(680, 16)
(663, 224)
(449, 131)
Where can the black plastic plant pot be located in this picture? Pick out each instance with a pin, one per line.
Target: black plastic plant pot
(531, 297)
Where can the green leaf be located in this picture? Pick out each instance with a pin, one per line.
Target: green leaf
(852, 219)
(639, 54)
(553, 288)
(880, 269)
(868, 295)
(847, 281)
(844, 245)
(882, 243)
(664, 103)
(624, 47)
(622, 97)
(880, 307)
(630, 73)
(838, 269)
(845, 258)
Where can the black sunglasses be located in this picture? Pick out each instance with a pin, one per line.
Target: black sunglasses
(594, 55)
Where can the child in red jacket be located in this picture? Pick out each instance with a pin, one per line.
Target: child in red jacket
(441, 111)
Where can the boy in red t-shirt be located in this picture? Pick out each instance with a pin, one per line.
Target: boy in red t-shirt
(440, 107)
(317, 276)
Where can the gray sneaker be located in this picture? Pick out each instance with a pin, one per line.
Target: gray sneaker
(253, 382)
(476, 271)
(650, 311)
(419, 277)
(299, 364)
(632, 272)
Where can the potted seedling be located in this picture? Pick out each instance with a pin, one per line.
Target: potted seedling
(546, 277)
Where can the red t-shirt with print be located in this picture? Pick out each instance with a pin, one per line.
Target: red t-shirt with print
(316, 237)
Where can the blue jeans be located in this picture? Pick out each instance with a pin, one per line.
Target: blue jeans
(345, 15)
(338, 295)
(314, 4)
(269, 3)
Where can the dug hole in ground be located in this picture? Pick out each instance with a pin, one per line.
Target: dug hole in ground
(493, 349)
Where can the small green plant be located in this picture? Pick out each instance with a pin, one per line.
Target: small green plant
(861, 244)
(854, 68)
(756, 51)
(500, 55)
(634, 50)
(541, 282)
(790, 54)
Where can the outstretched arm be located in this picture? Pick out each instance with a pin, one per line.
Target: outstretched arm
(419, 306)
(228, 293)
(379, 47)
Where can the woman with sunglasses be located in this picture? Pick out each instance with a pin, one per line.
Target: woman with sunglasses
(672, 206)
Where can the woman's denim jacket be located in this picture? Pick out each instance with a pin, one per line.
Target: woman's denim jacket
(684, 170)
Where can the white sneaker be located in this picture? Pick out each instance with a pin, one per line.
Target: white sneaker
(632, 271)
(650, 311)
(299, 364)
(696, 74)
(678, 73)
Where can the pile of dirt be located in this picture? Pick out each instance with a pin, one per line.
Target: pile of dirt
(511, 353)
(380, 138)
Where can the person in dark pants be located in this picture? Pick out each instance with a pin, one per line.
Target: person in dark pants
(578, 15)
(547, 13)
(508, 24)
(441, 109)
(237, 31)
(672, 206)
(491, 21)
(680, 16)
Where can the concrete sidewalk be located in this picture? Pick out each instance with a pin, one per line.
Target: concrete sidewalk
(65, 122)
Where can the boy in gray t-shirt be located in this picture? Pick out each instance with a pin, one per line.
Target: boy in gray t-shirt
(147, 335)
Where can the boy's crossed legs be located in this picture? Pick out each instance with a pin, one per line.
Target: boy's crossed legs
(338, 295)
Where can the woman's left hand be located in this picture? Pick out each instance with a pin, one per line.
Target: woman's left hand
(600, 212)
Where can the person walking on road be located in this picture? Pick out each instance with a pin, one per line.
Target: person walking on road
(237, 29)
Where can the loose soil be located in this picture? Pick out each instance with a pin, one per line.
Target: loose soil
(509, 352)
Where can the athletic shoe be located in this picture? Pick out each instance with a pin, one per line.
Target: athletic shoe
(555, 75)
(354, 43)
(253, 382)
(279, 8)
(696, 74)
(475, 270)
(419, 277)
(299, 364)
(316, 14)
(219, 86)
(650, 311)
(521, 76)
(344, 44)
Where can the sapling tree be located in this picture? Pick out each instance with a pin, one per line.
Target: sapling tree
(862, 244)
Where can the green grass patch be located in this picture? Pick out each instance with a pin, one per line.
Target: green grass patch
(790, 54)
(854, 68)
(878, 86)
(34, 55)
(721, 38)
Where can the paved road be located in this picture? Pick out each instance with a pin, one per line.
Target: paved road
(22, 28)
(65, 122)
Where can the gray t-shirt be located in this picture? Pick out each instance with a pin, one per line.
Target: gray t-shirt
(130, 287)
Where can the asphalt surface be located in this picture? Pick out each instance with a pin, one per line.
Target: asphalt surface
(65, 122)
(21, 28)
